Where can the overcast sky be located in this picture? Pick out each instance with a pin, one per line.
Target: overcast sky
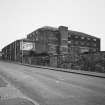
(20, 17)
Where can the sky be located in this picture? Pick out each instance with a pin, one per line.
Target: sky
(20, 17)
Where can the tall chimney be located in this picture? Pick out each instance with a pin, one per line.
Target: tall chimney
(63, 39)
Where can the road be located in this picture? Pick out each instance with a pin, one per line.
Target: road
(49, 87)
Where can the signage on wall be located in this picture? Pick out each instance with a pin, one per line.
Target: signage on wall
(27, 46)
(84, 49)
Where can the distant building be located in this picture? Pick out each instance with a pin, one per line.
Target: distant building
(60, 40)
(17, 49)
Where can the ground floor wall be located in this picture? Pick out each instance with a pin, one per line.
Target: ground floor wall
(89, 62)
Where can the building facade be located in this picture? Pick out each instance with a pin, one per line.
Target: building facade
(63, 41)
(56, 47)
(16, 50)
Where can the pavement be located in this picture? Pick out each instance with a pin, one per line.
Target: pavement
(49, 87)
(82, 72)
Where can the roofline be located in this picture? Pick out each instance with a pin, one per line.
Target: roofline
(83, 34)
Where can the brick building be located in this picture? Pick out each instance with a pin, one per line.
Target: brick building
(57, 47)
(46, 40)
(18, 49)
(60, 40)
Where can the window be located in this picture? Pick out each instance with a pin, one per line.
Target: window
(87, 44)
(52, 48)
(94, 44)
(52, 42)
(94, 39)
(52, 38)
(69, 42)
(76, 36)
(82, 37)
(94, 50)
(88, 38)
(76, 42)
(36, 32)
(69, 38)
(84, 49)
(82, 43)
(36, 37)
(69, 35)
(64, 49)
(33, 33)
(64, 42)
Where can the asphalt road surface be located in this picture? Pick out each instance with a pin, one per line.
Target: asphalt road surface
(48, 87)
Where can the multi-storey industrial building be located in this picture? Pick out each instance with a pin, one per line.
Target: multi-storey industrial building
(18, 49)
(57, 47)
(63, 41)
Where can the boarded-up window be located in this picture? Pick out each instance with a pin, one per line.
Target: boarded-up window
(64, 49)
(64, 42)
